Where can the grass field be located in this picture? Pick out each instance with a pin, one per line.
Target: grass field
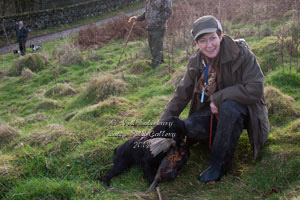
(56, 124)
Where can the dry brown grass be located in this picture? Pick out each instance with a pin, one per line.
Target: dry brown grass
(54, 139)
(93, 36)
(104, 86)
(279, 102)
(60, 90)
(68, 54)
(35, 62)
(33, 118)
(282, 108)
(139, 66)
(6, 169)
(49, 134)
(232, 12)
(46, 104)
(7, 133)
(27, 74)
(3, 73)
(119, 105)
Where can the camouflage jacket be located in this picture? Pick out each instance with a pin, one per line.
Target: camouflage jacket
(156, 13)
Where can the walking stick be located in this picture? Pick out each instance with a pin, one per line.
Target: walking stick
(126, 42)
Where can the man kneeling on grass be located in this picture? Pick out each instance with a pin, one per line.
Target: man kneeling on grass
(225, 85)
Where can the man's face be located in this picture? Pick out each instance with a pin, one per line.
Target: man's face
(209, 44)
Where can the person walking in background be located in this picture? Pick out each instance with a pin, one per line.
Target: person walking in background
(21, 34)
(225, 85)
(156, 14)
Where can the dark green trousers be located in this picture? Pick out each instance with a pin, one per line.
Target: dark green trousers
(155, 39)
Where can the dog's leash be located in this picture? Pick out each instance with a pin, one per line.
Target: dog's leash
(205, 79)
(211, 127)
(202, 100)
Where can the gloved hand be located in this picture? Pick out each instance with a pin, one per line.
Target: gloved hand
(132, 19)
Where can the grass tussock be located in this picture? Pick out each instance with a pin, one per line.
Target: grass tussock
(3, 73)
(60, 90)
(6, 169)
(282, 108)
(68, 54)
(27, 74)
(7, 134)
(50, 134)
(53, 140)
(31, 119)
(100, 88)
(289, 134)
(287, 81)
(112, 105)
(93, 36)
(268, 51)
(139, 66)
(34, 61)
(47, 104)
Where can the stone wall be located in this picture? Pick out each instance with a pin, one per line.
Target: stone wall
(54, 17)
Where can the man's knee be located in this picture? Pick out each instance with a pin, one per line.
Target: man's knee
(232, 108)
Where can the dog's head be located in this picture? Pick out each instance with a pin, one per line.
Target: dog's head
(15, 51)
(172, 128)
(31, 46)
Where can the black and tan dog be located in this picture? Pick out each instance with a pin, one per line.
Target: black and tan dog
(137, 151)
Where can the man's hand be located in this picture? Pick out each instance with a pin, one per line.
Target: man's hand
(213, 108)
(132, 19)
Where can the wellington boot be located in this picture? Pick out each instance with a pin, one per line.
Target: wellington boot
(210, 174)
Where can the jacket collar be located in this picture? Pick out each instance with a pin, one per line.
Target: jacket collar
(229, 50)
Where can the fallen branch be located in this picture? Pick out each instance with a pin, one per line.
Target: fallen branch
(159, 194)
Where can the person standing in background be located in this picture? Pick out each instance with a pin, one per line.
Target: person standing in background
(156, 14)
(21, 34)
